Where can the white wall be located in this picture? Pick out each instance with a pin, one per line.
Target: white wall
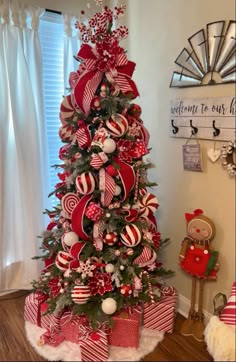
(159, 30)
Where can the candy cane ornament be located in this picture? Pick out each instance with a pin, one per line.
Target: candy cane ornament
(149, 284)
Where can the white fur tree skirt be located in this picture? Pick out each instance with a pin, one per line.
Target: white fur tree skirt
(220, 340)
(68, 351)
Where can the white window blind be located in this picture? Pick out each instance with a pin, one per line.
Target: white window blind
(51, 32)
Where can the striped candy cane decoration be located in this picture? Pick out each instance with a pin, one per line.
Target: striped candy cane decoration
(228, 315)
(149, 285)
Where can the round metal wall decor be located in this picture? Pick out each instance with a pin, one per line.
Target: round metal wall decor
(211, 59)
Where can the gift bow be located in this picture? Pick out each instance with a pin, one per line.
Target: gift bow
(90, 78)
(86, 332)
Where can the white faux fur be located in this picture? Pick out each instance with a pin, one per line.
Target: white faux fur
(220, 340)
(68, 351)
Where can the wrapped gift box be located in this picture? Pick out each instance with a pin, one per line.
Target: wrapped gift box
(93, 344)
(35, 307)
(126, 329)
(69, 325)
(52, 338)
(161, 315)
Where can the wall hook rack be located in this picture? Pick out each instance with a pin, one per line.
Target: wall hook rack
(216, 131)
(175, 128)
(194, 130)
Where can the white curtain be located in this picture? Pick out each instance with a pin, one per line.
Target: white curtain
(71, 47)
(22, 145)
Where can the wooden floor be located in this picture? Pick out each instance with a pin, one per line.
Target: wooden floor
(14, 346)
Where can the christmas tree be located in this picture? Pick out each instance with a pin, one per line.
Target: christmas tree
(101, 246)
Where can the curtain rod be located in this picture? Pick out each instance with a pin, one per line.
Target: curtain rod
(54, 11)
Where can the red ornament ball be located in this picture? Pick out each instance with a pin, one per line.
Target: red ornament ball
(96, 104)
(126, 290)
(110, 238)
(111, 170)
(135, 110)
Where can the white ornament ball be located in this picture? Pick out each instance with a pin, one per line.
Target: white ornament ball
(109, 306)
(109, 145)
(122, 267)
(70, 238)
(117, 190)
(109, 268)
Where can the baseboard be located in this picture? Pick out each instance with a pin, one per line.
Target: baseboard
(184, 306)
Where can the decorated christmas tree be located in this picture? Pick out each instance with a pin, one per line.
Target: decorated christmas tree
(101, 246)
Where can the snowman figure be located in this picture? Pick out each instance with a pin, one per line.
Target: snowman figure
(198, 258)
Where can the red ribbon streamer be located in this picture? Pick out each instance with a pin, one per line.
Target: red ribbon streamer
(90, 78)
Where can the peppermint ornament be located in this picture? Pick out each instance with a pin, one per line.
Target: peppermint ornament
(110, 238)
(80, 294)
(117, 126)
(68, 202)
(131, 235)
(148, 204)
(85, 183)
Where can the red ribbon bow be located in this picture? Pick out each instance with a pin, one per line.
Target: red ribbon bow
(90, 78)
(196, 212)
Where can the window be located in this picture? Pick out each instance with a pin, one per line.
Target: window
(56, 68)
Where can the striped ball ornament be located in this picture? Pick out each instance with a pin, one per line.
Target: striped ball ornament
(117, 126)
(66, 133)
(62, 260)
(131, 236)
(80, 294)
(67, 110)
(85, 183)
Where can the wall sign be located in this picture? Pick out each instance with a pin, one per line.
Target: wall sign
(205, 118)
(192, 157)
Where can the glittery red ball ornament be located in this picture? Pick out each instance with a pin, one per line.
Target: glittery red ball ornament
(110, 238)
(126, 290)
(135, 110)
(111, 170)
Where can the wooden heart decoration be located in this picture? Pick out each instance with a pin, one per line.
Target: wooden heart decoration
(213, 154)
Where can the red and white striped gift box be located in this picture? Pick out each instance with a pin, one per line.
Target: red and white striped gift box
(228, 314)
(93, 344)
(34, 307)
(126, 329)
(161, 315)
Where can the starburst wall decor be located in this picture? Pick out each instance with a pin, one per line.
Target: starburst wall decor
(211, 59)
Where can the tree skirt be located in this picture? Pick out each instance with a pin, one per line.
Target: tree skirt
(68, 351)
(220, 340)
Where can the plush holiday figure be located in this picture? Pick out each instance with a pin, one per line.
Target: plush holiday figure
(198, 258)
(101, 245)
